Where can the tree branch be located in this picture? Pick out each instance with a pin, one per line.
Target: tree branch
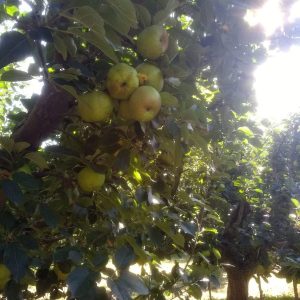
(45, 117)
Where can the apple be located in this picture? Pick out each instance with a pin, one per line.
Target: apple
(144, 103)
(150, 75)
(62, 276)
(4, 276)
(95, 106)
(89, 180)
(124, 111)
(122, 80)
(152, 42)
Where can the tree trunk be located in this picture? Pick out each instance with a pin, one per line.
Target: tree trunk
(209, 291)
(261, 294)
(238, 281)
(295, 289)
(45, 117)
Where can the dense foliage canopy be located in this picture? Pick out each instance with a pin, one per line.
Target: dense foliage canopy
(102, 198)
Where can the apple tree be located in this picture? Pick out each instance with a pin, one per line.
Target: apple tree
(94, 169)
(284, 188)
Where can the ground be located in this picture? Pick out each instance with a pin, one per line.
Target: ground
(275, 287)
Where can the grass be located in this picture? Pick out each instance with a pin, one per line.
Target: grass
(274, 298)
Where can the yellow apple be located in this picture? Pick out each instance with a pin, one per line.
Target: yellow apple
(4, 276)
(152, 42)
(89, 180)
(60, 274)
(124, 111)
(28, 278)
(150, 75)
(144, 103)
(122, 80)
(95, 106)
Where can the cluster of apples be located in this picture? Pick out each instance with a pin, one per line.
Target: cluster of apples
(136, 89)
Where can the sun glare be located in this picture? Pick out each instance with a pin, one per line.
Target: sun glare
(277, 85)
(295, 12)
(277, 79)
(270, 17)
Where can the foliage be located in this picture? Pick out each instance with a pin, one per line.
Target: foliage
(285, 191)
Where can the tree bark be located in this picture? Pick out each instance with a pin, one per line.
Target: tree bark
(238, 281)
(295, 286)
(45, 117)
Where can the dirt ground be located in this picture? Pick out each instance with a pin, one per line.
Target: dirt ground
(274, 287)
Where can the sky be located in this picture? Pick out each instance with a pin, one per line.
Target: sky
(277, 80)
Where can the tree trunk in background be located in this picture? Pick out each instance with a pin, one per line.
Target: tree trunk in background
(261, 294)
(295, 289)
(238, 282)
(209, 291)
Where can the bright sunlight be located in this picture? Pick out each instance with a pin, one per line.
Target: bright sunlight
(277, 85)
(277, 80)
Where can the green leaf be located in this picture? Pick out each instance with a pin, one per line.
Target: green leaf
(80, 281)
(137, 176)
(118, 289)
(100, 259)
(168, 100)
(38, 159)
(101, 43)
(27, 181)
(216, 253)
(126, 10)
(137, 249)
(70, 89)
(89, 18)
(20, 146)
(162, 15)
(12, 191)
(16, 260)
(143, 15)
(246, 130)
(195, 291)
(114, 20)
(122, 161)
(60, 45)
(124, 257)
(295, 202)
(70, 44)
(177, 238)
(133, 283)
(15, 75)
(7, 143)
(14, 46)
(50, 217)
(11, 10)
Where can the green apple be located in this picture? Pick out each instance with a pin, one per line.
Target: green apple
(95, 106)
(144, 103)
(152, 42)
(122, 80)
(89, 180)
(150, 75)
(124, 111)
(4, 276)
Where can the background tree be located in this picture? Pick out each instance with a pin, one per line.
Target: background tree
(284, 186)
(149, 209)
